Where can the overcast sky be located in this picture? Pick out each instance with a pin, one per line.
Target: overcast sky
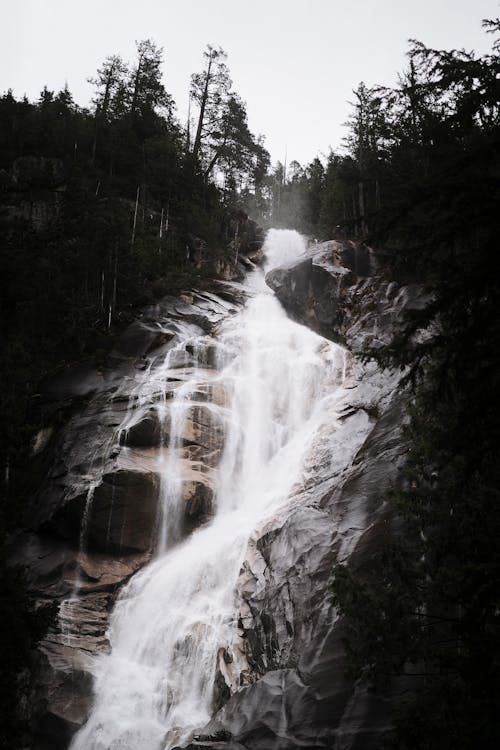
(294, 62)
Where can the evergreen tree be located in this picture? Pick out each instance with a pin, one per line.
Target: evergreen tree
(108, 83)
(147, 92)
(426, 607)
(210, 92)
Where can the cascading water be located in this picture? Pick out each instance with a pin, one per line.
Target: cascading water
(280, 384)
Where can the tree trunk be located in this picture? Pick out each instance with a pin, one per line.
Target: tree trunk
(203, 104)
(188, 127)
(135, 215)
(101, 300)
(115, 279)
(137, 79)
(361, 200)
(214, 160)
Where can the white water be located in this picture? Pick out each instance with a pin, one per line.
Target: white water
(282, 381)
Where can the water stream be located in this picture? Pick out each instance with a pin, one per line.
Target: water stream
(276, 383)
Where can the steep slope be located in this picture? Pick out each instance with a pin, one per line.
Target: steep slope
(309, 476)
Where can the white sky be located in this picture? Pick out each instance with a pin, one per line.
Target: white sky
(294, 62)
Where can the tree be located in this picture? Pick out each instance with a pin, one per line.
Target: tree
(233, 148)
(46, 97)
(109, 82)
(295, 171)
(261, 163)
(210, 91)
(315, 173)
(426, 606)
(147, 92)
(223, 146)
(367, 132)
(63, 101)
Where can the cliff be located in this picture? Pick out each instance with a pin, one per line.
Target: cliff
(281, 680)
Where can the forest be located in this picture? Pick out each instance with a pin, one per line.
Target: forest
(104, 210)
(128, 196)
(418, 180)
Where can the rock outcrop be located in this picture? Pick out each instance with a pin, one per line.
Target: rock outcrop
(338, 291)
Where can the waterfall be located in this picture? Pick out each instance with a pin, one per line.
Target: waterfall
(277, 385)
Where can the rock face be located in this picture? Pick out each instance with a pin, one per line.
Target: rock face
(105, 439)
(338, 292)
(289, 660)
(281, 681)
(33, 191)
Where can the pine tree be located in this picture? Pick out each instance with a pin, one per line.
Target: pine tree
(210, 91)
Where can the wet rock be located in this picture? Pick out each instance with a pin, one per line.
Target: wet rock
(200, 428)
(123, 513)
(136, 341)
(308, 291)
(204, 457)
(214, 393)
(287, 671)
(41, 440)
(118, 515)
(63, 693)
(198, 499)
(101, 487)
(147, 433)
(284, 705)
(67, 708)
(203, 427)
(339, 292)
